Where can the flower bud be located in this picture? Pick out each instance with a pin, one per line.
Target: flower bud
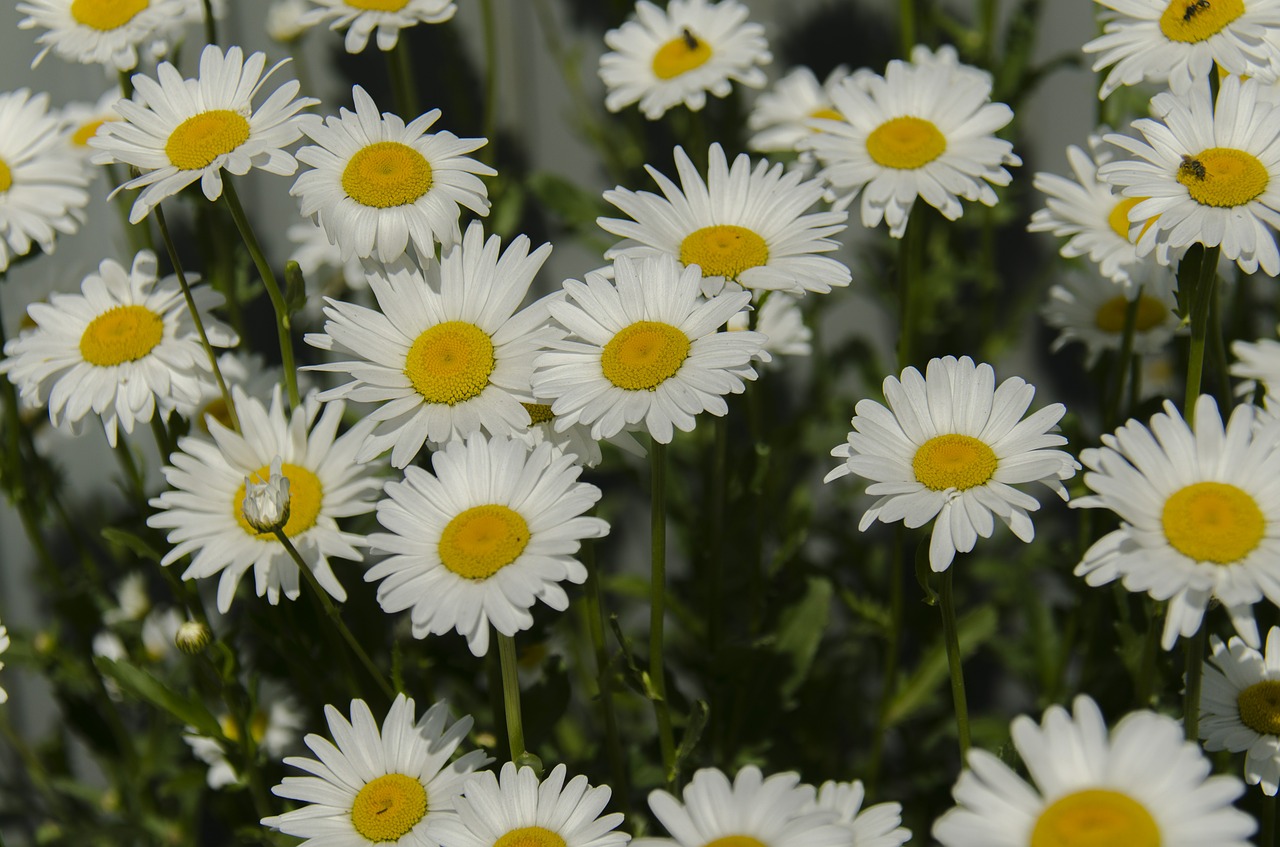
(192, 637)
(266, 504)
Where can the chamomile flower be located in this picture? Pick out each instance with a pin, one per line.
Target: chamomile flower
(1206, 175)
(81, 121)
(378, 184)
(1238, 706)
(246, 370)
(203, 510)
(645, 350)
(1092, 310)
(951, 446)
(4, 645)
(177, 131)
(913, 133)
(1181, 41)
(663, 58)
(780, 117)
(493, 531)
(448, 352)
(284, 20)
(945, 62)
(99, 32)
(1200, 517)
(746, 225)
(779, 320)
(361, 17)
(574, 440)
(371, 785)
(874, 826)
(123, 346)
(320, 260)
(1259, 362)
(274, 726)
(1141, 784)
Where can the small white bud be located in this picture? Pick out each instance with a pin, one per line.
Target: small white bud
(266, 504)
(192, 637)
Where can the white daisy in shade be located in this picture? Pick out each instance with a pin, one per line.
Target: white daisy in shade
(1140, 785)
(1199, 512)
(122, 346)
(1240, 706)
(778, 318)
(575, 440)
(203, 510)
(246, 370)
(80, 121)
(1206, 175)
(514, 808)
(1259, 362)
(779, 120)
(370, 785)
(177, 131)
(448, 352)
(663, 58)
(376, 184)
(284, 20)
(746, 225)
(274, 726)
(874, 826)
(1180, 41)
(99, 32)
(951, 446)
(647, 350)
(4, 645)
(42, 184)
(1091, 309)
(493, 531)
(913, 133)
(945, 62)
(361, 18)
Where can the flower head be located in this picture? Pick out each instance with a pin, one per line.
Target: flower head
(100, 32)
(361, 18)
(1240, 706)
(1092, 309)
(266, 502)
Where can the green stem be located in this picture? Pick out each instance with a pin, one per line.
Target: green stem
(604, 677)
(210, 23)
(404, 88)
(489, 153)
(1111, 411)
(1202, 296)
(989, 15)
(909, 247)
(1195, 647)
(1218, 353)
(511, 701)
(907, 25)
(657, 603)
(950, 634)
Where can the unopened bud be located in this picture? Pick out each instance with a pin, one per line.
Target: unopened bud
(266, 504)
(192, 637)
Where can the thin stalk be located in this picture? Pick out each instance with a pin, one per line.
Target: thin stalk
(1203, 296)
(909, 247)
(950, 634)
(907, 25)
(1218, 353)
(989, 15)
(604, 679)
(210, 23)
(657, 602)
(1112, 409)
(489, 153)
(1195, 647)
(404, 88)
(511, 697)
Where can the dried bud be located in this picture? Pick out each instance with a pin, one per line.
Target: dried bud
(266, 504)
(192, 637)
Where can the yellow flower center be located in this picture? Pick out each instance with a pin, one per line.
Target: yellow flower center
(378, 5)
(1260, 707)
(386, 174)
(450, 362)
(953, 461)
(680, 55)
(1213, 522)
(644, 355)
(106, 14)
(80, 138)
(538, 413)
(216, 409)
(6, 177)
(1095, 817)
(483, 540)
(736, 841)
(306, 495)
(530, 836)
(724, 250)
(388, 807)
(119, 335)
(905, 143)
(201, 138)
(1223, 176)
(1119, 217)
(1110, 315)
(1189, 21)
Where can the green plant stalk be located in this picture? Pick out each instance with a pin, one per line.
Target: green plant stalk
(489, 153)
(1111, 411)
(657, 602)
(1195, 647)
(909, 249)
(950, 634)
(604, 678)
(1203, 296)
(989, 14)
(404, 88)
(907, 25)
(210, 23)
(511, 696)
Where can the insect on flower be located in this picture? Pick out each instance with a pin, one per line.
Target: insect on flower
(1194, 9)
(691, 40)
(1191, 168)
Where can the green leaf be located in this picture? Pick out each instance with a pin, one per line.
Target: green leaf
(144, 686)
(295, 287)
(689, 740)
(800, 632)
(974, 629)
(132, 542)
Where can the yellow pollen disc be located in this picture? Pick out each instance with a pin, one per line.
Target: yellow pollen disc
(1110, 316)
(1119, 218)
(1223, 176)
(119, 335)
(680, 55)
(829, 114)
(216, 409)
(106, 14)
(1189, 21)
(644, 355)
(386, 174)
(306, 495)
(388, 807)
(378, 5)
(80, 138)
(483, 540)
(538, 413)
(905, 143)
(257, 726)
(450, 362)
(736, 841)
(1095, 818)
(530, 836)
(6, 177)
(953, 461)
(724, 250)
(1213, 522)
(204, 137)
(1260, 707)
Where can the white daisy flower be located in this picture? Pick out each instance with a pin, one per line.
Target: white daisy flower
(448, 352)
(274, 726)
(913, 133)
(246, 370)
(875, 826)
(121, 347)
(951, 446)
(361, 17)
(1258, 362)
(663, 58)
(4, 645)
(80, 121)
(1240, 706)
(132, 600)
(374, 786)
(177, 131)
(42, 184)
(99, 32)
(1091, 309)
(284, 20)
(945, 62)
(159, 630)
(321, 262)
(646, 350)
(203, 510)
(1140, 785)
(1199, 512)
(494, 530)
(574, 440)
(746, 225)
(779, 320)
(1180, 42)
(377, 184)
(779, 120)
(1206, 175)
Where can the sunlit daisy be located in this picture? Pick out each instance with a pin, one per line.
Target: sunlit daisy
(1206, 175)
(747, 225)
(361, 17)
(1259, 362)
(203, 510)
(121, 347)
(1199, 512)
(377, 185)
(99, 32)
(1092, 310)
(370, 785)
(80, 121)
(874, 826)
(1240, 706)
(179, 131)
(1141, 784)
(663, 58)
(951, 446)
(274, 726)
(646, 350)
(913, 133)
(779, 320)
(448, 352)
(780, 117)
(4, 645)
